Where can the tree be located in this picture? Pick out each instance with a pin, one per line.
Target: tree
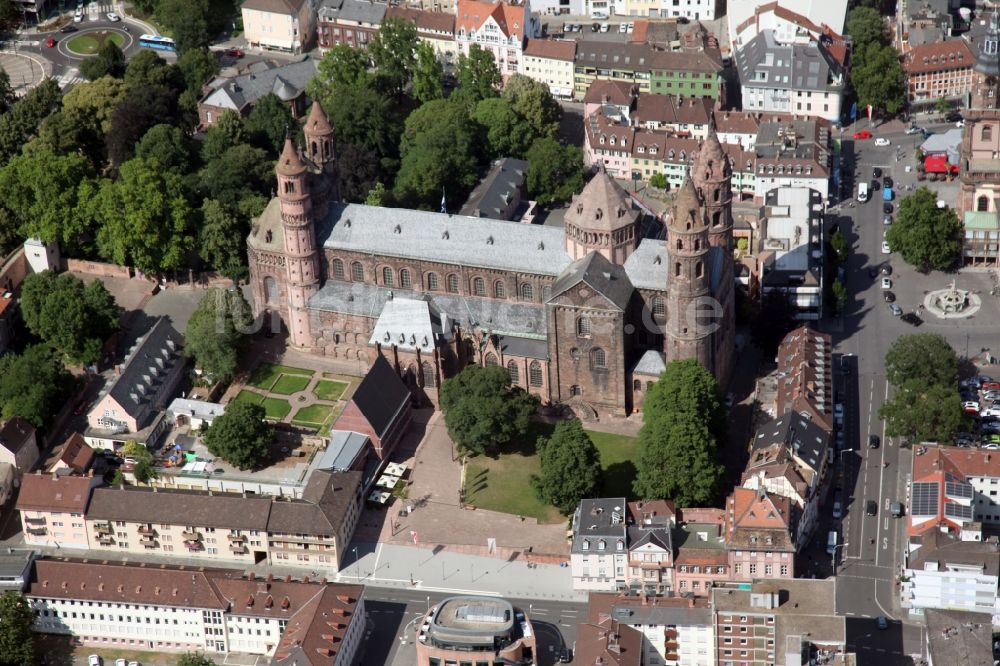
(194, 659)
(341, 67)
(17, 642)
(187, 21)
(508, 134)
(240, 436)
(570, 466)
(269, 123)
(72, 318)
(878, 78)
(143, 107)
(109, 61)
(238, 172)
(533, 101)
(22, 121)
(168, 146)
(360, 169)
(942, 106)
(925, 358)
(478, 75)
(221, 240)
(217, 331)
(839, 296)
(866, 26)
(377, 196)
(147, 68)
(228, 131)
(196, 67)
(428, 75)
(658, 180)
(145, 218)
(773, 322)
(11, 16)
(683, 423)
(838, 243)
(927, 237)
(142, 468)
(555, 172)
(365, 117)
(919, 412)
(7, 94)
(482, 411)
(97, 100)
(33, 385)
(438, 151)
(393, 50)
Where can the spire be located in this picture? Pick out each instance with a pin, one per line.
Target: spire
(318, 122)
(686, 203)
(290, 163)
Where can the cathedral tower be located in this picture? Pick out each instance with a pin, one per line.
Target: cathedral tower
(299, 236)
(688, 284)
(321, 151)
(602, 219)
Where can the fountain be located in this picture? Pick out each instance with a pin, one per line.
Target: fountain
(952, 303)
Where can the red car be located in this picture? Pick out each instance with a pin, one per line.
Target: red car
(50, 42)
(863, 134)
(233, 53)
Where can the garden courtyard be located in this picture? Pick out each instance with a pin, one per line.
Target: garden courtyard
(304, 398)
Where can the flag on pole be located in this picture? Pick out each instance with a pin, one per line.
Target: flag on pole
(854, 112)
(444, 203)
(869, 113)
(413, 535)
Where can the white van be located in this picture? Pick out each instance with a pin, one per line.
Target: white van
(831, 542)
(862, 192)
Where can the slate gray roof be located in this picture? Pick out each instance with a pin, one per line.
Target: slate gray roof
(651, 363)
(639, 535)
(986, 28)
(662, 616)
(599, 518)
(597, 272)
(959, 637)
(381, 396)
(325, 501)
(526, 347)
(342, 451)
(411, 323)
(287, 82)
(646, 267)
(492, 196)
(450, 239)
(793, 66)
(509, 317)
(148, 362)
(799, 433)
(362, 11)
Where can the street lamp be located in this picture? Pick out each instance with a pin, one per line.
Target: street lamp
(833, 557)
(357, 564)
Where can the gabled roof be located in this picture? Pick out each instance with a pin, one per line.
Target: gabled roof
(15, 434)
(362, 11)
(950, 54)
(67, 493)
(242, 91)
(76, 453)
(439, 24)
(149, 361)
(287, 7)
(316, 633)
(552, 49)
(606, 91)
(598, 273)
(758, 518)
(473, 14)
(608, 643)
(802, 438)
(381, 395)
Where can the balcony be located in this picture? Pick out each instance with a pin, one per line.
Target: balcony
(35, 521)
(149, 545)
(194, 545)
(106, 540)
(670, 634)
(103, 528)
(237, 538)
(37, 531)
(147, 530)
(238, 549)
(191, 535)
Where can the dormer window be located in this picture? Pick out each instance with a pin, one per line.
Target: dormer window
(683, 156)
(586, 544)
(671, 154)
(602, 545)
(620, 545)
(602, 139)
(624, 142)
(641, 150)
(652, 150)
(612, 141)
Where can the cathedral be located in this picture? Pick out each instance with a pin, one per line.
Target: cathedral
(586, 315)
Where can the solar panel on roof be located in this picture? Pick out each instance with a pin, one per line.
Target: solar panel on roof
(957, 490)
(958, 511)
(925, 498)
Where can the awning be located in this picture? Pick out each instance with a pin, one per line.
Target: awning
(379, 497)
(387, 481)
(395, 469)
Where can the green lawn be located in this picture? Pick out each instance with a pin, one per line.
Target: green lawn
(276, 409)
(327, 389)
(267, 374)
(313, 415)
(248, 396)
(504, 483)
(93, 42)
(289, 384)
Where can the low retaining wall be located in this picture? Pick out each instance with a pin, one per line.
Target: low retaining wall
(13, 270)
(97, 268)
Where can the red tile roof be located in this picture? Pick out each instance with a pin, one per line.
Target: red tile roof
(473, 14)
(427, 21)
(76, 453)
(939, 56)
(55, 492)
(941, 464)
(553, 49)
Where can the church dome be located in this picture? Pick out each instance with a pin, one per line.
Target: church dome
(602, 206)
(686, 214)
(289, 162)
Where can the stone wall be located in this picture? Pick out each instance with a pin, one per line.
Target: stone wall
(97, 268)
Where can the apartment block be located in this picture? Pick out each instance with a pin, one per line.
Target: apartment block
(953, 488)
(53, 508)
(945, 572)
(599, 553)
(760, 534)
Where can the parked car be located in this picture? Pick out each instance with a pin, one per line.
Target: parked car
(886, 269)
(912, 319)
(887, 182)
(871, 507)
(876, 172)
(895, 310)
(838, 511)
(94, 660)
(622, 28)
(889, 297)
(970, 406)
(78, 16)
(840, 440)
(874, 441)
(913, 130)
(881, 141)
(887, 208)
(882, 623)
(886, 283)
(233, 53)
(565, 656)
(887, 219)
(863, 134)
(885, 248)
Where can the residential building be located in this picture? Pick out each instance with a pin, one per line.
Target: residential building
(418, 288)
(435, 6)
(701, 559)
(922, 22)
(312, 531)
(502, 194)
(130, 404)
(611, 61)
(789, 457)
(551, 61)
(599, 553)
(475, 629)
(608, 145)
(18, 444)
(287, 26)
(699, 10)
(15, 568)
(76, 456)
(944, 572)
(167, 608)
(559, 7)
(435, 27)
(803, 79)
(793, 153)
(957, 637)
(500, 28)
(650, 546)
(984, 38)
(979, 193)
(608, 642)
(380, 407)
(675, 631)
(351, 22)
(788, 27)
(194, 414)
(820, 13)
(805, 370)
(239, 94)
(692, 70)
(737, 127)
(52, 508)
(8, 482)
(685, 117)
(953, 488)
(760, 534)
(938, 70)
(776, 622)
(791, 254)
(661, 152)
(615, 99)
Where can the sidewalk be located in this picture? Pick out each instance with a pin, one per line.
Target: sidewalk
(439, 570)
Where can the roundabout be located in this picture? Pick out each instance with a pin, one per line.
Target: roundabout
(89, 42)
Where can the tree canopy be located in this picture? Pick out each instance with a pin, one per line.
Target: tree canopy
(393, 50)
(555, 172)
(428, 75)
(866, 26)
(683, 424)
(17, 641)
(923, 357)
(73, 318)
(533, 101)
(877, 76)
(508, 134)
(194, 659)
(240, 436)
(33, 385)
(109, 61)
(217, 331)
(927, 237)
(482, 411)
(570, 467)
(478, 76)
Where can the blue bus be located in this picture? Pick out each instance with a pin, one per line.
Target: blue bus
(158, 42)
